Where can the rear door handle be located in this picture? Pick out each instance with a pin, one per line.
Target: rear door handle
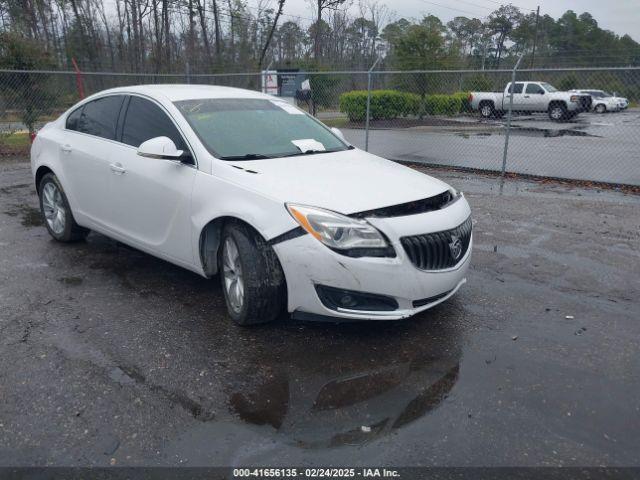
(66, 148)
(117, 168)
(526, 96)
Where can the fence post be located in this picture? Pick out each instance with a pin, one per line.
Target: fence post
(366, 126)
(187, 70)
(506, 137)
(265, 75)
(79, 82)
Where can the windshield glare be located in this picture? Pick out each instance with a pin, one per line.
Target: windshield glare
(548, 87)
(233, 128)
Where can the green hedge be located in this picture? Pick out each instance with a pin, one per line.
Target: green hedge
(390, 104)
(447, 104)
(385, 104)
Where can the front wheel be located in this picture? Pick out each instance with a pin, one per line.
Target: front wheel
(557, 112)
(601, 108)
(252, 278)
(56, 211)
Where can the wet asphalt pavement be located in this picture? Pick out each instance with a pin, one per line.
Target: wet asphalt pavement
(109, 356)
(595, 147)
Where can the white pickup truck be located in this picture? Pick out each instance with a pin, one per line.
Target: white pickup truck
(531, 97)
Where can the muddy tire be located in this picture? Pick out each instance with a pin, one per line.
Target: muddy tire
(600, 108)
(252, 279)
(487, 110)
(558, 112)
(56, 212)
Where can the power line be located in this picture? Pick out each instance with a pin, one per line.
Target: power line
(450, 8)
(502, 4)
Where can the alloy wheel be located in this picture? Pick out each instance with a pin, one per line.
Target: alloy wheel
(55, 212)
(232, 273)
(556, 113)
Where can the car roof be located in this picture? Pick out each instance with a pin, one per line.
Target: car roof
(177, 92)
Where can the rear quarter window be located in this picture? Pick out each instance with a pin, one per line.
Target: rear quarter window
(73, 118)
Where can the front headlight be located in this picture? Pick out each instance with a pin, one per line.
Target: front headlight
(337, 231)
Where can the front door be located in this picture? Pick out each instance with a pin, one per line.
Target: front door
(152, 197)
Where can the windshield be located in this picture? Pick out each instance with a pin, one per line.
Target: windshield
(248, 128)
(548, 87)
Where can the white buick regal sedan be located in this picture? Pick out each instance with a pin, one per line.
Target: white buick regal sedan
(244, 185)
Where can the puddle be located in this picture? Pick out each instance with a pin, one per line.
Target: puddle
(532, 132)
(72, 281)
(31, 216)
(319, 399)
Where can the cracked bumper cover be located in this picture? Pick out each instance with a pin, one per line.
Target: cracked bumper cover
(307, 262)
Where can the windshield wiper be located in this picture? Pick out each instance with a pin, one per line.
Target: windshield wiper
(246, 156)
(312, 152)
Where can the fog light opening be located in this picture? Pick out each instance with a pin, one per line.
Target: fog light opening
(336, 298)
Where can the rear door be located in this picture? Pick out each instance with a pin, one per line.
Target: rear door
(535, 98)
(518, 98)
(85, 153)
(151, 198)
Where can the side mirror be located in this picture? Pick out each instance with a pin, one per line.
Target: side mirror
(338, 133)
(541, 92)
(161, 148)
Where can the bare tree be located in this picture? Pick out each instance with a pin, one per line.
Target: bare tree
(321, 6)
(271, 30)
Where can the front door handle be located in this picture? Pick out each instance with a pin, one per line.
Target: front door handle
(526, 96)
(66, 148)
(117, 168)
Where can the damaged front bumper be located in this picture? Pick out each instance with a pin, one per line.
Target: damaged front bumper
(308, 264)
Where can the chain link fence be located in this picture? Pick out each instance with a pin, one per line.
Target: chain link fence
(427, 117)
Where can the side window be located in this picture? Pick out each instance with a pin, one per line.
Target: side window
(518, 88)
(100, 117)
(534, 88)
(73, 118)
(146, 120)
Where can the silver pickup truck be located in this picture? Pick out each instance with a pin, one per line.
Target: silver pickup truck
(531, 97)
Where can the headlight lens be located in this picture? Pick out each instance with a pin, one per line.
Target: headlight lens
(337, 231)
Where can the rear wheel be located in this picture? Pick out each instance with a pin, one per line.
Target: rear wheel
(56, 212)
(600, 108)
(487, 110)
(557, 112)
(252, 278)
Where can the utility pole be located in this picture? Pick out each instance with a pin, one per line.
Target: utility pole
(535, 37)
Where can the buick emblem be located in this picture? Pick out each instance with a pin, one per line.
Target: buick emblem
(455, 247)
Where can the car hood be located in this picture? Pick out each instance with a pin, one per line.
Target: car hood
(347, 182)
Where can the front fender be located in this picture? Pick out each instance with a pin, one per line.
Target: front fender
(215, 197)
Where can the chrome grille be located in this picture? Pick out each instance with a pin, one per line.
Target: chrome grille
(433, 251)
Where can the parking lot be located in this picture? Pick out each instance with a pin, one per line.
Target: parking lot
(112, 357)
(594, 147)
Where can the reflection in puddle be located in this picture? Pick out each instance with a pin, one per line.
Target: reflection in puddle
(531, 132)
(329, 399)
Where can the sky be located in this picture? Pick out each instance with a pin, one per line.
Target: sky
(620, 16)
